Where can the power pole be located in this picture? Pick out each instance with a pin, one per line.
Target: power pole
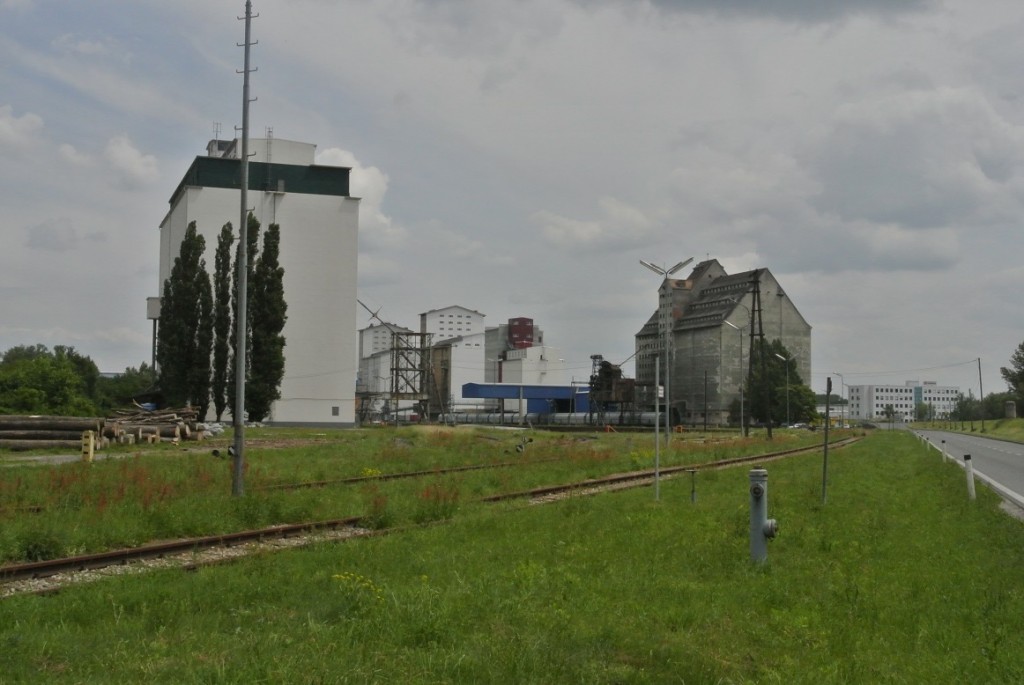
(242, 316)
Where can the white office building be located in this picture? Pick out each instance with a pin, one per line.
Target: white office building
(869, 402)
(319, 223)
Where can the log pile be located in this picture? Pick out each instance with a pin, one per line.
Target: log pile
(142, 425)
(21, 433)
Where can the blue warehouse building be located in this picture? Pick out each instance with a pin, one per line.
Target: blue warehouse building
(539, 399)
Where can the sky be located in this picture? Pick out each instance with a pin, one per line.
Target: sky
(518, 157)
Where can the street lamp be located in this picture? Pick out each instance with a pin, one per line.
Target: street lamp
(743, 425)
(842, 406)
(665, 273)
(784, 359)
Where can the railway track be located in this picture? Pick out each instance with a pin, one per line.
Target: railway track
(398, 476)
(191, 553)
(647, 476)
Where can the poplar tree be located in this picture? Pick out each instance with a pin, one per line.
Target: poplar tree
(269, 313)
(222, 319)
(183, 349)
(251, 240)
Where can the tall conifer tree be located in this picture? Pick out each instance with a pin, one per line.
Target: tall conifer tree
(222, 319)
(185, 338)
(252, 240)
(269, 313)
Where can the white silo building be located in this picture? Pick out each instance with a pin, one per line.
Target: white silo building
(319, 223)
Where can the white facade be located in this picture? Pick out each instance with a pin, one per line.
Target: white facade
(375, 357)
(467, 366)
(534, 366)
(451, 322)
(319, 233)
(869, 402)
(462, 330)
(377, 338)
(531, 366)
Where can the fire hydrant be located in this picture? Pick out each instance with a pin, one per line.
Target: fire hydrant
(762, 528)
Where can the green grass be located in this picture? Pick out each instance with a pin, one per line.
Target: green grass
(181, 491)
(1004, 429)
(898, 579)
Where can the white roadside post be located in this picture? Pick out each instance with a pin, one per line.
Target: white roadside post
(969, 469)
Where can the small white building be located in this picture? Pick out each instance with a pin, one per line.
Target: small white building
(533, 366)
(869, 402)
(319, 223)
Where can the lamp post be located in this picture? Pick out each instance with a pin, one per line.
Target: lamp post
(665, 273)
(743, 425)
(786, 360)
(842, 405)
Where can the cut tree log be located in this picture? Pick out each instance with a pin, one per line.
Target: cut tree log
(58, 423)
(26, 445)
(39, 435)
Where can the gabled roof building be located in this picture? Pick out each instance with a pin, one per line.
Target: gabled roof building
(709, 319)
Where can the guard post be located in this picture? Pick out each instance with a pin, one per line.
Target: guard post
(88, 446)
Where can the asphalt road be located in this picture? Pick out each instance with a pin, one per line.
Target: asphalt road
(998, 463)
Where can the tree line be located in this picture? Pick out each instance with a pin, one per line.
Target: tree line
(64, 382)
(196, 348)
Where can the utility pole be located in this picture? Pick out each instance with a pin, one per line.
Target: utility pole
(756, 311)
(242, 316)
(981, 392)
(665, 273)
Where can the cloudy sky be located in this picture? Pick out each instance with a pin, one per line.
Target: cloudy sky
(518, 157)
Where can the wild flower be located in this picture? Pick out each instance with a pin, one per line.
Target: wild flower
(358, 590)
(436, 502)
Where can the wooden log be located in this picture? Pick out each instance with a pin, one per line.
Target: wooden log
(40, 435)
(112, 430)
(165, 430)
(59, 423)
(25, 445)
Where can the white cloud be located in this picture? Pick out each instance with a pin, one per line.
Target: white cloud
(18, 131)
(620, 225)
(59, 235)
(135, 168)
(515, 154)
(370, 184)
(921, 158)
(68, 152)
(71, 43)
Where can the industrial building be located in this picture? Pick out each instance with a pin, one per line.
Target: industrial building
(426, 373)
(869, 402)
(319, 223)
(706, 320)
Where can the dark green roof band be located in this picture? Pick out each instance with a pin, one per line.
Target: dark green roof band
(218, 172)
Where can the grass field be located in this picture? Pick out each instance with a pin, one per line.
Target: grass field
(1005, 429)
(49, 511)
(898, 579)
